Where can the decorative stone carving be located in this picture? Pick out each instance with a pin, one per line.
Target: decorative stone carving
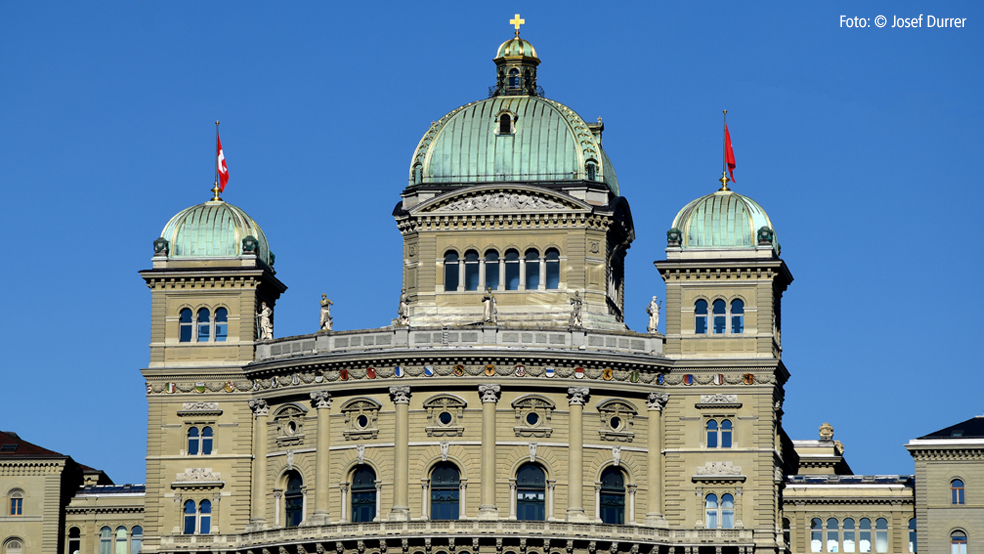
(653, 311)
(290, 426)
(361, 415)
(403, 311)
(490, 393)
(265, 319)
(198, 474)
(826, 432)
(616, 455)
(532, 446)
(533, 412)
(718, 398)
(199, 406)
(673, 237)
(445, 447)
(259, 407)
(577, 395)
(326, 305)
(500, 201)
(491, 313)
(290, 459)
(657, 401)
(400, 394)
(360, 453)
(719, 468)
(444, 411)
(321, 399)
(161, 247)
(617, 419)
(577, 304)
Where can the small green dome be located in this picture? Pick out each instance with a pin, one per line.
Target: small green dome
(724, 219)
(215, 229)
(516, 48)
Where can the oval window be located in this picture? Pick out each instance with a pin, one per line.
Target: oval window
(445, 418)
(362, 421)
(532, 418)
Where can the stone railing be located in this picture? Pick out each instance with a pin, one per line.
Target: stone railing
(473, 337)
(545, 530)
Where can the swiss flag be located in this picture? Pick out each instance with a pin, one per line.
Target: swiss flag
(220, 164)
(729, 154)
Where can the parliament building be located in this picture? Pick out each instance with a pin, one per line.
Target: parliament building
(507, 408)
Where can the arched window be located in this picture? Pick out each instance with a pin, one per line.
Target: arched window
(206, 441)
(726, 433)
(553, 269)
(958, 542)
(505, 124)
(445, 488)
(712, 433)
(833, 538)
(121, 540)
(532, 269)
(13, 546)
(185, 325)
(592, 169)
(205, 517)
(363, 494)
(512, 270)
(700, 317)
(816, 535)
(197, 519)
(294, 499)
(719, 316)
(849, 544)
(75, 540)
(106, 540)
(221, 324)
(531, 487)
(612, 496)
(136, 540)
(785, 530)
(711, 511)
(956, 492)
(190, 517)
(912, 535)
(737, 316)
(16, 503)
(727, 512)
(881, 535)
(203, 325)
(492, 269)
(471, 270)
(513, 83)
(864, 536)
(194, 441)
(451, 271)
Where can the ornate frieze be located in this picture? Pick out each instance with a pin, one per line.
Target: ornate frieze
(321, 399)
(657, 401)
(498, 201)
(400, 394)
(490, 393)
(577, 395)
(259, 407)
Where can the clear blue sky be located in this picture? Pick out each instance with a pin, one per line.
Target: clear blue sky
(864, 145)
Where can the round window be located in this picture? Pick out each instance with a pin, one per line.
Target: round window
(291, 428)
(362, 421)
(445, 418)
(532, 418)
(615, 422)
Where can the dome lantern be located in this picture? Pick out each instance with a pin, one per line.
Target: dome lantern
(516, 63)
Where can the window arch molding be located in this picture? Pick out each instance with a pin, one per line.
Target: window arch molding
(357, 489)
(13, 545)
(500, 126)
(15, 503)
(548, 471)
(958, 490)
(627, 472)
(188, 325)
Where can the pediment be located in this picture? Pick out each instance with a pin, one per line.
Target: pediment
(500, 199)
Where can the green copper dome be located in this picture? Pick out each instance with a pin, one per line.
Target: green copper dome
(516, 48)
(215, 229)
(724, 219)
(540, 140)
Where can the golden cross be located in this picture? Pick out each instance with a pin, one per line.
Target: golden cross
(516, 22)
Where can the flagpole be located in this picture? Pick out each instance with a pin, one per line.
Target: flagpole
(724, 155)
(215, 189)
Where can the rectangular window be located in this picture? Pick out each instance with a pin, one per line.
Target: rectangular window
(865, 541)
(16, 506)
(206, 524)
(189, 526)
(881, 541)
(848, 541)
(719, 324)
(701, 325)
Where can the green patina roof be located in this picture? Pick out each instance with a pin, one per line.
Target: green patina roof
(516, 47)
(215, 229)
(722, 219)
(551, 143)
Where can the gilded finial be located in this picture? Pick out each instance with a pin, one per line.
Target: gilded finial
(215, 193)
(724, 182)
(516, 22)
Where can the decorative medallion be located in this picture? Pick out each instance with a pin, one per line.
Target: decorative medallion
(459, 370)
(579, 372)
(343, 374)
(150, 388)
(660, 379)
(719, 379)
(749, 379)
(229, 387)
(688, 379)
(400, 372)
(549, 371)
(428, 371)
(170, 388)
(200, 387)
(295, 379)
(319, 376)
(256, 385)
(371, 372)
(520, 370)
(607, 374)
(634, 376)
(490, 370)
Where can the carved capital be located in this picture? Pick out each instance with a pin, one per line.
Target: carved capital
(400, 394)
(490, 393)
(577, 395)
(657, 401)
(321, 399)
(259, 407)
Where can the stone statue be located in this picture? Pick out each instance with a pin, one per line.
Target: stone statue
(491, 313)
(576, 304)
(265, 317)
(653, 311)
(326, 305)
(403, 312)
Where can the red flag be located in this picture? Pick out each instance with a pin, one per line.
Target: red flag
(729, 154)
(220, 164)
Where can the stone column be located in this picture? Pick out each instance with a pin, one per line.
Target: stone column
(512, 498)
(461, 274)
(577, 397)
(551, 485)
(401, 477)
(481, 273)
(277, 495)
(424, 512)
(543, 274)
(344, 489)
(654, 469)
(630, 515)
(502, 273)
(522, 272)
(260, 410)
(321, 401)
(490, 396)
(462, 488)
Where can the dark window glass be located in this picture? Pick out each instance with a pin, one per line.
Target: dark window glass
(513, 79)
(530, 493)
(700, 319)
(591, 171)
(505, 124)
(189, 517)
(207, 441)
(912, 535)
(194, 441)
(532, 269)
(956, 492)
(294, 499)
(451, 271)
(785, 530)
(363, 494)
(512, 270)
(737, 316)
(712, 433)
(17, 506)
(221, 325)
(471, 270)
(445, 486)
(816, 535)
(205, 517)
(832, 539)
(75, 541)
(553, 269)
(446, 418)
(612, 496)
(719, 317)
(492, 269)
(185, 325)
(532, 418)
(726, 433)
(203, 325)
